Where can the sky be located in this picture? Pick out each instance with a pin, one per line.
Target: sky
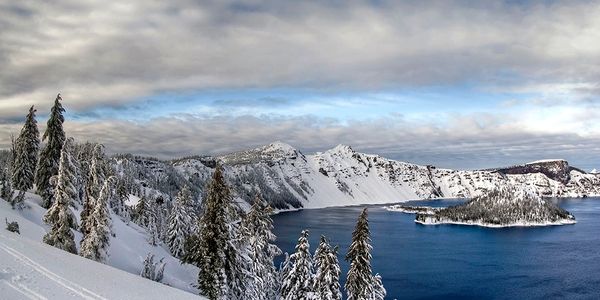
(457, 84)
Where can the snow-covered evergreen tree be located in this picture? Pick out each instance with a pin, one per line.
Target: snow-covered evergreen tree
(50, 156)
(142, 212)
(153, 270)
(96, 242)
(153, 229)
(94, 183)
(26, 152)
(118, 203)
(257, 227)
(180, 223)
(360, 280)
(379, 291)
(327, 272)
(221, 264)
(297, 282)
(59, 216)
(6, 192)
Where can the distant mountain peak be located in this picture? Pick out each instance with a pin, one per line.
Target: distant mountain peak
(342, 149)
(279, 146)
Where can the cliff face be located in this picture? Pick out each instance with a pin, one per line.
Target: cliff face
(341, 176)
(558, 170)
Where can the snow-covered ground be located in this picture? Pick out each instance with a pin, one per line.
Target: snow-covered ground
(30, 269)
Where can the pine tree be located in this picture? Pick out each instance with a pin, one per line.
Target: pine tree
(96, 242)
(360, 280)
(50, 156)
(153, 229)
(142, 212)
(151, 270)
(327, 272)
(118, 203)
(6, 192)
(257, 227)
(180, 222)
(26, 152)
(217, 256)
(379, 291)
(297, 282)
(59, 216)
(94, 183)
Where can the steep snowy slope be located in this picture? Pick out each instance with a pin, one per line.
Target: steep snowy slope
(127, 251)
(32, 270)
(342, 176)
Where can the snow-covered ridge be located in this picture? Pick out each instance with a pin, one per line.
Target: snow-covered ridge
(341, 176)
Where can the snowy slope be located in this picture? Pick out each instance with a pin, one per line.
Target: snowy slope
(32, 270)
(341, 176)
(127, 251)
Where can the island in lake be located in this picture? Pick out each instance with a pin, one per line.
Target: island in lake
(500, 207)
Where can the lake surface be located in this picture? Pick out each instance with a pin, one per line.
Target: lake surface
(465, 262)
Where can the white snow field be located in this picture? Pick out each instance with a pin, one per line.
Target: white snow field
(30, 269)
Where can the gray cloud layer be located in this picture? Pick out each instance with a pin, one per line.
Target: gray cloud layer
(99, 52)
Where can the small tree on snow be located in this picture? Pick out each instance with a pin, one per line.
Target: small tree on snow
(180, 222)
(96, 242)
(327, 272)
(151, 270)
(59, 216)
(297, 282)
(26, 152)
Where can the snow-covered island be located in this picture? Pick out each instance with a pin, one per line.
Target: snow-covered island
(501, 207)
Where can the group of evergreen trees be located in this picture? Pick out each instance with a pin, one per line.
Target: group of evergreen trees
(317, 277)
(64, 177)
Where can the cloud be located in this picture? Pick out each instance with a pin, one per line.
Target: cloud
(99, 53)
(465, 141)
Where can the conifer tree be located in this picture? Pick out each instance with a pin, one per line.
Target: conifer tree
(297, 282)
(96, 242)
(153, 229)
(327, 272)
(142, 212)
(118, 203)
(94, 183)
(59, 216)
(217, 256)
(50, 156)
(26, 152)
(180, 222)
(257, 227)
(360, 280)
(379, 291)
(151, 270)
(6, 192)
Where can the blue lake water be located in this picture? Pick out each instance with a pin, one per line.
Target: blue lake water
(465, 262)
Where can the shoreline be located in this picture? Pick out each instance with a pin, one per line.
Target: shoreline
(490, 225)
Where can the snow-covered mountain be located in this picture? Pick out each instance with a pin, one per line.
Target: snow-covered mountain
(341, 176)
